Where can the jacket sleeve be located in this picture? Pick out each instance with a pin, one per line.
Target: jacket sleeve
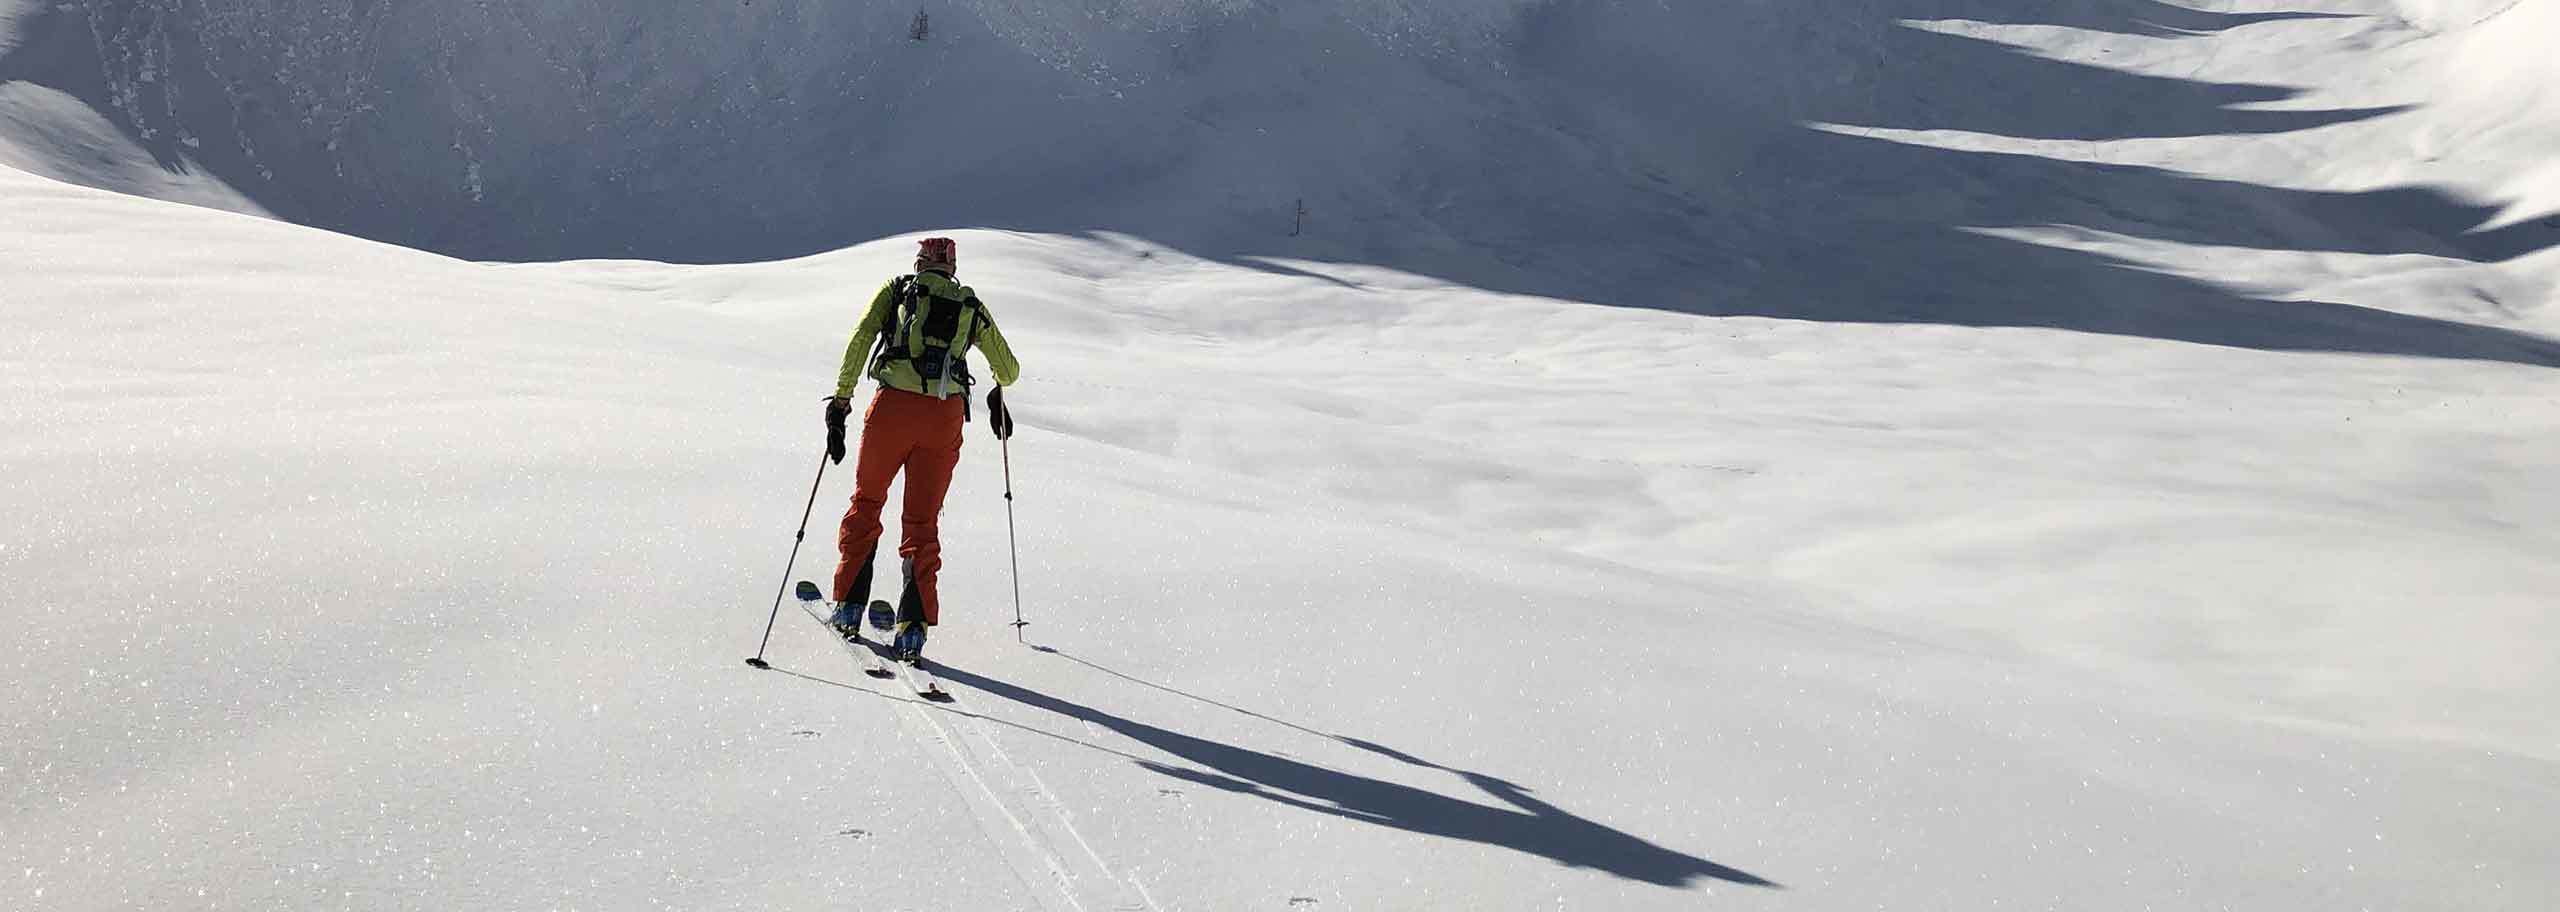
(999, 355)
(857, 355)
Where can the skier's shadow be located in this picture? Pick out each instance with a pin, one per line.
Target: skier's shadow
(1528, 825)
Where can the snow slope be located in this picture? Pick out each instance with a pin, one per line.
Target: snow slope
(351, 576)
(1836, 454)
(2351, 175)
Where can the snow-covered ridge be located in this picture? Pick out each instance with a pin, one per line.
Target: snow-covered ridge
(343, 574)
(1373, 567)
(1870, 160)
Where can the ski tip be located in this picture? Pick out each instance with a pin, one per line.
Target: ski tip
(808, 592)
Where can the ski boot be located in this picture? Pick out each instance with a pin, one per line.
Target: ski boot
(847, 622)
(907, 643)
(906, 639)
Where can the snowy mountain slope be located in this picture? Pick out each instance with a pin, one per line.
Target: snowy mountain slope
(55, 127)
(1889, 541)
(2352, 176)
(2475, 109)
(352, 576)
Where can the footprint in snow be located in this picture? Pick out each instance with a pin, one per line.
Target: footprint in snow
(804, 733)
(855, 832)
(1300, 902)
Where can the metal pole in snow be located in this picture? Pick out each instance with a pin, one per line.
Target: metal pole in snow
(796, 537)
(1011, 543)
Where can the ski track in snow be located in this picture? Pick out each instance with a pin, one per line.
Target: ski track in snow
(1029, 829)
(1034, 825)
(1369, 576)
(1045, 826)
(2011, 653)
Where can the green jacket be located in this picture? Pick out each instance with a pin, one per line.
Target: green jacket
(898, 373)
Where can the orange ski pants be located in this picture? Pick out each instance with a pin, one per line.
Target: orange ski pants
(920, 435)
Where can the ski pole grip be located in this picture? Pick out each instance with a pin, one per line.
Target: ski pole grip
(999, 418)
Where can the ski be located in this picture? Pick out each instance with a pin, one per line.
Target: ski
(814, 602)
(922, 681)
(910, 667)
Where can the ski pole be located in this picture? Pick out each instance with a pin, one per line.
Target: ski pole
(796, 537)
(1010, 543)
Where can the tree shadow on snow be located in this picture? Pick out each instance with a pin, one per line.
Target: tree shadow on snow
(1526, 825)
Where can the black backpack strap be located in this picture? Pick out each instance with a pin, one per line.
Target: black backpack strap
(984, 318)
(901, 296)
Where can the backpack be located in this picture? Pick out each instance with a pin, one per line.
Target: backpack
(932, 334)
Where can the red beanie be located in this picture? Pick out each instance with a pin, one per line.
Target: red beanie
(940, 251)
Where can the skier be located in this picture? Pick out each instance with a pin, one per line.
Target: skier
(924, 325)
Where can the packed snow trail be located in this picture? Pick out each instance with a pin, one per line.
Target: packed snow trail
(444, 570)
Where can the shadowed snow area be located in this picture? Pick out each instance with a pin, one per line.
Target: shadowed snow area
(1759, 454)
(1706, 157)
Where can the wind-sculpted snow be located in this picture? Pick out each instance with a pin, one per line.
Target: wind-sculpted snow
(1862, 160)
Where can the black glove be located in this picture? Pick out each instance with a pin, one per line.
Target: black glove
(837, 408)
(998, 419)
